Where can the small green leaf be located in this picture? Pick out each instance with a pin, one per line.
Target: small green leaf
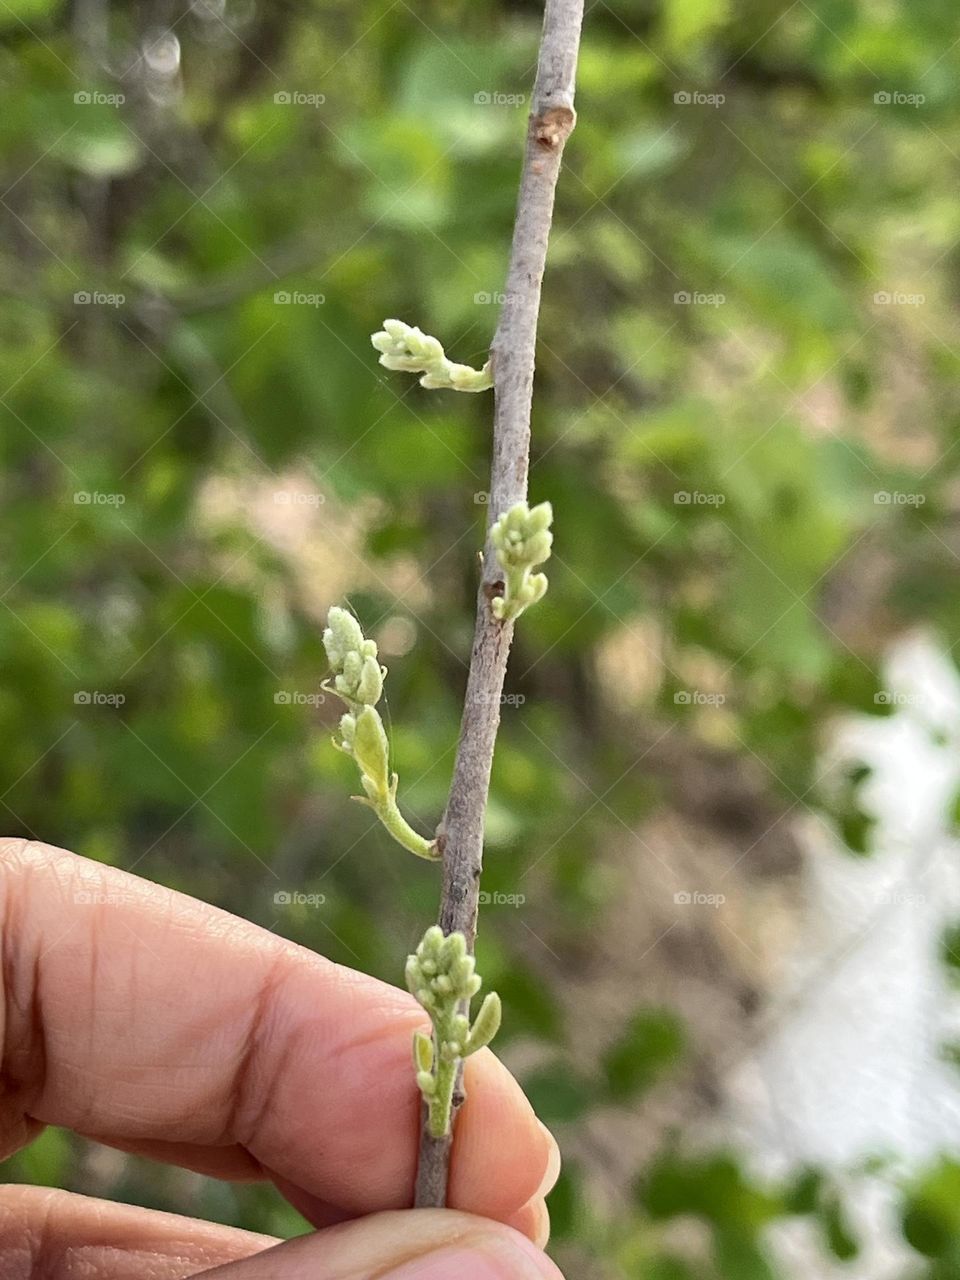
(422, 1051)
(485, 1025)
(371, 748)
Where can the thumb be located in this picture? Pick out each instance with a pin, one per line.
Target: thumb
(414, 1244)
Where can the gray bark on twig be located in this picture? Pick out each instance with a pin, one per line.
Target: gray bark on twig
(513, 354)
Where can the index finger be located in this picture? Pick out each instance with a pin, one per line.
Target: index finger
(138, 1015)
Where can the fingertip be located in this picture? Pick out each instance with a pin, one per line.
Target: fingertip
(279, 1061)
(502, 1154)
(532, 1221)
(428, 1244)
(541, 1236)
(486, 1252)
(554, 1164)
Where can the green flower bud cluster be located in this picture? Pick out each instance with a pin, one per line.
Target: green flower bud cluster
(358, 679)
(358, 676)
(442, 975)
(403, 346)
(522, 540)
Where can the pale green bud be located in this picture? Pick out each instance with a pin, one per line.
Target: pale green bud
(453, 981)
(461, 1026)
(371, 748)
(361, 680)
(352, 666)
(358, 675)
(408, 349)
(452, 949)
(358, 679)
(370, 684)
(422, 1051)
(431, 942)
(537, 546)
(485, 1025)
(342, 635)
(348, 728)
(372, 788)
(522, 539)
(540, 516)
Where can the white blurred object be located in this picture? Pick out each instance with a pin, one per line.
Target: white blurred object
(851, 1065)
(161, 53)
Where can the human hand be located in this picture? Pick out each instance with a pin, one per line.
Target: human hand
(159, 1025)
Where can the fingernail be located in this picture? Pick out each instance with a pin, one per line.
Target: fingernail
(490, 1258)
(553, 1166)
(542, 1237)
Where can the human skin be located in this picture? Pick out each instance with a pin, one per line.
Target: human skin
(149, 1021)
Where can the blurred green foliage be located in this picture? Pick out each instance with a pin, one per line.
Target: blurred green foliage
(745, 421)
